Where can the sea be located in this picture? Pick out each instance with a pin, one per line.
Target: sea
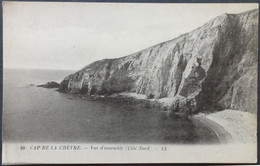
(35, 114)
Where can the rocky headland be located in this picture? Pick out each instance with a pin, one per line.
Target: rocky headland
(212, 68)
(50, 85)
(210, 73)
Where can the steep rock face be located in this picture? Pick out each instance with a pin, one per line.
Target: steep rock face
(214, 66)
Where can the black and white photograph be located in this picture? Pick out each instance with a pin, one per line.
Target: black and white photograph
(87, 82)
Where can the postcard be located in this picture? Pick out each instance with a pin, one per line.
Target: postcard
(87, 82)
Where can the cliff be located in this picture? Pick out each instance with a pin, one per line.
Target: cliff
(211, 68)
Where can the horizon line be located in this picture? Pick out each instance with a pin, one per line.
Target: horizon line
(24, 68)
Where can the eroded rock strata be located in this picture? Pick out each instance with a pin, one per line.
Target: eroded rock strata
(213, 67)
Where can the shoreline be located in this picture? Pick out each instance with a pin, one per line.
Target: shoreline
(231, 126)
(222, 135)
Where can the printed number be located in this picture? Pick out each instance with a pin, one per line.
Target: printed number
(22, 147)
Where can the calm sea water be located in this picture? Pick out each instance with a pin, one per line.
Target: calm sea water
(37, 114)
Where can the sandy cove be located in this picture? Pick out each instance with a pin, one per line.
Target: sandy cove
(230, 126)
(239, 127)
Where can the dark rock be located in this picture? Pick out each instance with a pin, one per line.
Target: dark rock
(51, 84)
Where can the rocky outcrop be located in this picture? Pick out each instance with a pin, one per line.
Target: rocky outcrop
(50, 85)
(211, 68)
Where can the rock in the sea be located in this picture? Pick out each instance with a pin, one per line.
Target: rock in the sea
(51, 84)
(212, 67)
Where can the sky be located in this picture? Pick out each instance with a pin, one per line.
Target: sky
(69, 36)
